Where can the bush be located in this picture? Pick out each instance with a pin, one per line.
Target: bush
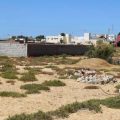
(102, 50)
(11, 94)
(34, 88)
(28, 77)
(55, 83)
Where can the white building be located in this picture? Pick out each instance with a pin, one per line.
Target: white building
(111, 37)
(81, 39)
(54, 39)
(58, 39)
(86, 39)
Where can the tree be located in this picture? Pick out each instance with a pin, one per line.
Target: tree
(13, 37)
(40, 37)
(62, 34)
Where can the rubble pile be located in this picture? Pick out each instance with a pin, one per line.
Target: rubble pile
(92, 77)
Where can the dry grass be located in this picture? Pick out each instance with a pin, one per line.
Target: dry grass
(91, 87)
(11, 82)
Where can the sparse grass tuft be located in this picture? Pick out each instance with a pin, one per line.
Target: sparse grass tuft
(34, 88)
(55, 83)
(28, 77)
(11, 94)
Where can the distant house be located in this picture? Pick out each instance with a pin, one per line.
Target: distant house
(58, 39)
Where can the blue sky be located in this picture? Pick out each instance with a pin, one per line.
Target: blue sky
(50, 17)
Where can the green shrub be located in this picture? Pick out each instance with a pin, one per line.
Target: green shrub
(34, 88)
(55, 83)
(28, 77)
(11, 94)
(102, 50)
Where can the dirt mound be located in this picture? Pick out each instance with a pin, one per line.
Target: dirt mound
(93, 63)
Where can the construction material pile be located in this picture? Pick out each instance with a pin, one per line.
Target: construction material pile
(92, 77)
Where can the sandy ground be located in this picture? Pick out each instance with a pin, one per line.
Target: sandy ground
(47, 101)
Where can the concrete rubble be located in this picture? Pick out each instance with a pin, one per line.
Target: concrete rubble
(93, 77)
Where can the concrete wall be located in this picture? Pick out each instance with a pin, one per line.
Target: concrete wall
(39, 50)
(13, 50)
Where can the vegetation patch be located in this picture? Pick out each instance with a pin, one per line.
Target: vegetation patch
(66, 110)
(34, 88)
(112, 102)
(36, 70)
(28, 77)
(8, 71)
(36, 116)
(9, 75)
(12, 94)
(54, 83)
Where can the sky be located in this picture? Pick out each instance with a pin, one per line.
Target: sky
(51, 17)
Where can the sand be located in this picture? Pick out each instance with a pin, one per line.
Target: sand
(48, 101)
